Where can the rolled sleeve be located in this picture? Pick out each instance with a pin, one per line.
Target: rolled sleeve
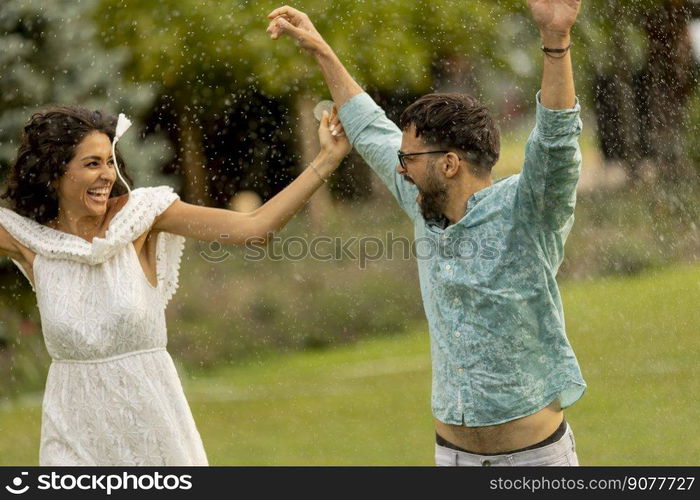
(558, 122)
(377, 139)
(356, 115)
(547, 184)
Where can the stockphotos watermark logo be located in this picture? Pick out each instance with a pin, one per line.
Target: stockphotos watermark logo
(18, 487)
(103, 483)
(359, 249)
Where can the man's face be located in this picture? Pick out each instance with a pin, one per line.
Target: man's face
(423, 172)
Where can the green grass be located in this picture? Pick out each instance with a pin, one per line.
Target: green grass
(636, 339)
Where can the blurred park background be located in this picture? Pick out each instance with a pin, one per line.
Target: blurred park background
(327, 362)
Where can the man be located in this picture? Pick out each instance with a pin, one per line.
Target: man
(503, 369)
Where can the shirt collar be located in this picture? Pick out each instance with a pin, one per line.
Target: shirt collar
(443, 222)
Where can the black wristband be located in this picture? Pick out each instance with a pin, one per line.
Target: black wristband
(559, 52)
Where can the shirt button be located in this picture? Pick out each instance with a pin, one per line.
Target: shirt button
(455, 301)
(460, 370)
(448, 267)
(458, 334)
(444, 236)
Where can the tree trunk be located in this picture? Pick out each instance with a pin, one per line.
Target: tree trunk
(627, 102)
(669, 83)
(616, 100)
(192, 159)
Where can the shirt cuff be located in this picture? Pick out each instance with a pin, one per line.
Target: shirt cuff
(357, 113)
(558, 122)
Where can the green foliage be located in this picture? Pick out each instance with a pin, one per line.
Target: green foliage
(393, 44)
(632, 230)
(23, 356)
(199, 49)
(203, 52)
(692, 130)
(208, 49)
(50, 54)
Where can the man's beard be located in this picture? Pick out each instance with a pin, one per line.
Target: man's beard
(433, 198)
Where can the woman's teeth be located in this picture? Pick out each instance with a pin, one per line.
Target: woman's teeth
(98, 195)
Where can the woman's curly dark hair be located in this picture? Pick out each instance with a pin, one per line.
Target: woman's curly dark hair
(47, 146)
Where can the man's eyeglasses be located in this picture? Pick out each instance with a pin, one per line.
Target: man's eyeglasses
(403, 156)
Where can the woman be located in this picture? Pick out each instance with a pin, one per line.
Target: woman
(104, 263)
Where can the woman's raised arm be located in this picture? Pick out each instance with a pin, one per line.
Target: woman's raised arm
(226, 226)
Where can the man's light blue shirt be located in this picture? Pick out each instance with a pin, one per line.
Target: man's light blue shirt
(497, 334)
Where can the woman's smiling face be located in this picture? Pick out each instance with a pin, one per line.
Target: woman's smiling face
(87, 183)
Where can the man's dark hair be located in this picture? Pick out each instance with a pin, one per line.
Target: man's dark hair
(456, 121)
(46, 147)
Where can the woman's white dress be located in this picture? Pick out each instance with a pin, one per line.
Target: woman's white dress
(112, 394)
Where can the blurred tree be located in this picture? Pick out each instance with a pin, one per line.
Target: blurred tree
(642, 72)
(204, 54)
(49, 54)
(635, 54)
(197, 52)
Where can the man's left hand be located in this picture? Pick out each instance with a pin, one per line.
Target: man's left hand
(555, 17)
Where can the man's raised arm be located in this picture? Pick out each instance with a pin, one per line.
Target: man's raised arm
(555, 18)
(547, 186)
(375, 137)
(296, 24)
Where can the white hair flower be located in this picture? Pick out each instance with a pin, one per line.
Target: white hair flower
(123, 124)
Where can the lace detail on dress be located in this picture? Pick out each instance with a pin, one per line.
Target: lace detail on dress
(169, 249)
(134, 219)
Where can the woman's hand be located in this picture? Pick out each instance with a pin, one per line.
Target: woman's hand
(334, 143)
